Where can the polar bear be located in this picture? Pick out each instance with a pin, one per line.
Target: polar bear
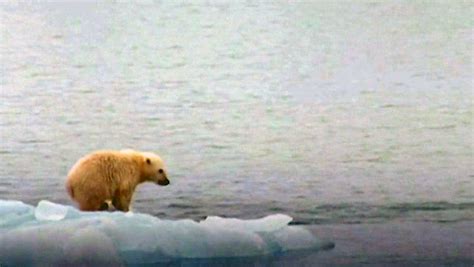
(110, 176)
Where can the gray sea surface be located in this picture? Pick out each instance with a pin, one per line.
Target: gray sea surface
(328, 111)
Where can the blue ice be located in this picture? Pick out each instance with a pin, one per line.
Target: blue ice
(55, 234)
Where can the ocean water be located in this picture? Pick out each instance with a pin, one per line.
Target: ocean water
(330, 112)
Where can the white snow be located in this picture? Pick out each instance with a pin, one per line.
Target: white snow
(55, 234)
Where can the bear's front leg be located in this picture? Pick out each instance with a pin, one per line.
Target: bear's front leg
(122, 200)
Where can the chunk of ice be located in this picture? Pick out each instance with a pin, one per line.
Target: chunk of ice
(54, 234)
(49, 211)
(267, 224)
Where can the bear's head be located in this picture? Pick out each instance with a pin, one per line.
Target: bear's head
(154, 169)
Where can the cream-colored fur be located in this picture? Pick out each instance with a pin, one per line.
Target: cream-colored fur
(109, 175)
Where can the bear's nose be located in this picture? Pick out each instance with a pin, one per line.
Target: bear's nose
(164, 182)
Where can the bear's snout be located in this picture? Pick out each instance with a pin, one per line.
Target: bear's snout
(164, 182)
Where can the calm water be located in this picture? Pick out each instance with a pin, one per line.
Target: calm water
(328, 112)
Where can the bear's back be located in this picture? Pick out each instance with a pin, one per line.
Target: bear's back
(104, 164)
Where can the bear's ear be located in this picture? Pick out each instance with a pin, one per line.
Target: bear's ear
(148, 161)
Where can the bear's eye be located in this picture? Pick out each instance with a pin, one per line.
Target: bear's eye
(160, 170)
(148, 161)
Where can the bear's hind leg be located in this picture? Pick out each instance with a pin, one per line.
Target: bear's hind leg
(90, 204)
(89, 207)
(122, 201)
